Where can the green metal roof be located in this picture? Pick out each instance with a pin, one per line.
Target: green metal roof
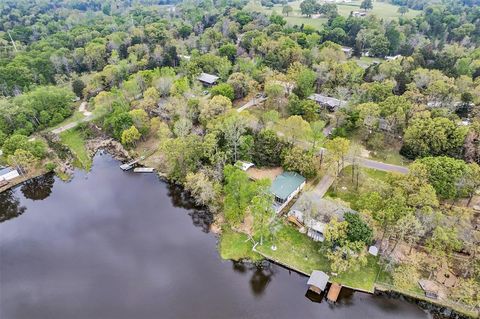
(286, 183)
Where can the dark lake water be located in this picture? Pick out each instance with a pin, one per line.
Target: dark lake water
(111, 244)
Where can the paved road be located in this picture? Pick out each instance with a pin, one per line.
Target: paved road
(364, 162)
(87, 117)
(251, 103)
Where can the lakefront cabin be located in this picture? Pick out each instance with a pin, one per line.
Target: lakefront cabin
(285, 187)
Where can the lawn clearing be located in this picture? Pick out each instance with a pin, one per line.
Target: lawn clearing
(75, 141)
(370, 180)
(382, 10)
(237, 246)
(299, 252)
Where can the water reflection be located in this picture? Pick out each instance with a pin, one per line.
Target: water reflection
(261, 274)
(10, 206)
(201, 217)
(38, 188)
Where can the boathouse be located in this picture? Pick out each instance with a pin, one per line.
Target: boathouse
(318, 281)
(8, 173)
(208, 79)
(284, 187)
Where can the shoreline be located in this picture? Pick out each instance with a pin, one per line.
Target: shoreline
(432, 306)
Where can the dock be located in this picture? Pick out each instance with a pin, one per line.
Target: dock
(129, 166)
(143, 170)
(333, 292)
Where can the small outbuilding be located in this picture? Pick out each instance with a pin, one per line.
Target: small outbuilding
(318, 281)
(8, 173)
(208, 79)
(284, 187)
(373, 250)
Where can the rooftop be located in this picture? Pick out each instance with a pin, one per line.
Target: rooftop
(318, 279)
(5, 170)
(286, 183)
(330, 101)
(208, 78)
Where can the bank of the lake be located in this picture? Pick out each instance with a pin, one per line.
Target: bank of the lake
(110, 244)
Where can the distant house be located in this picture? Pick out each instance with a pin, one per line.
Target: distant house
(284, 187)
(330, 103)
(318, 281)
(394, 57)
(359, 14)
(430, 288)
(208, 79)
(348, 51)
(8, 173)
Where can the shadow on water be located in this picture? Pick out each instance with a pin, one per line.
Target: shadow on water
(10, 206)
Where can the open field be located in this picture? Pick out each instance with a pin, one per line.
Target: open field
(382, 10)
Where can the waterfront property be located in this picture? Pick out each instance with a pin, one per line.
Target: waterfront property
(329, 103)
(208, 79)
(284, 187)
(8, 173)
(318, 281)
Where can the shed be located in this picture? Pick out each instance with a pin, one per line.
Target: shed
(333, 292)
(208, 79)
(318, 281)
(429, 287)
(244, 166)
(8, 173)
(373, 250)
(284, 187)
(348, 51)
(332, 104)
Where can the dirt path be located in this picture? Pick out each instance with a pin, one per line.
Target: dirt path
(87, 117)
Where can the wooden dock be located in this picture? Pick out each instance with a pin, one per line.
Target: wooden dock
(143, 170)
(333, 292)
(129, 166)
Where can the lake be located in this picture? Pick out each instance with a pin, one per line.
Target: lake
(114, 244)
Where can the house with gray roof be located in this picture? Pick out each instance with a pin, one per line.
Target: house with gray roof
(330, 103)
(284, 187)
(208, 79)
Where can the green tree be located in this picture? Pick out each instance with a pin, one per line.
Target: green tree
(228, 50)
(296, 159)
(357, 229)
(130, 136)
(267, 149)
(308, 7)
(262, 209)
(403, 10)
(218, 105)
(406, 276)
(77, 87)
(444, 174)
(223, 89)
(239, 191)
(366, 5)
(22, 159)
(204, 190)
(286, 10)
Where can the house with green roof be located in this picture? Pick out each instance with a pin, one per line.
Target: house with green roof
(284, 187)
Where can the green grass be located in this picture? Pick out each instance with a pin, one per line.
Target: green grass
(382, 10)
(370, 178)
(236, 246)
(301, 253)
(75, 141)
(75, 117)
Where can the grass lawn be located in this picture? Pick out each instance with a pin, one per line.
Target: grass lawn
(346, 188)
(75, 141)
(382, 10)
(236, 246)
(300, 252)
